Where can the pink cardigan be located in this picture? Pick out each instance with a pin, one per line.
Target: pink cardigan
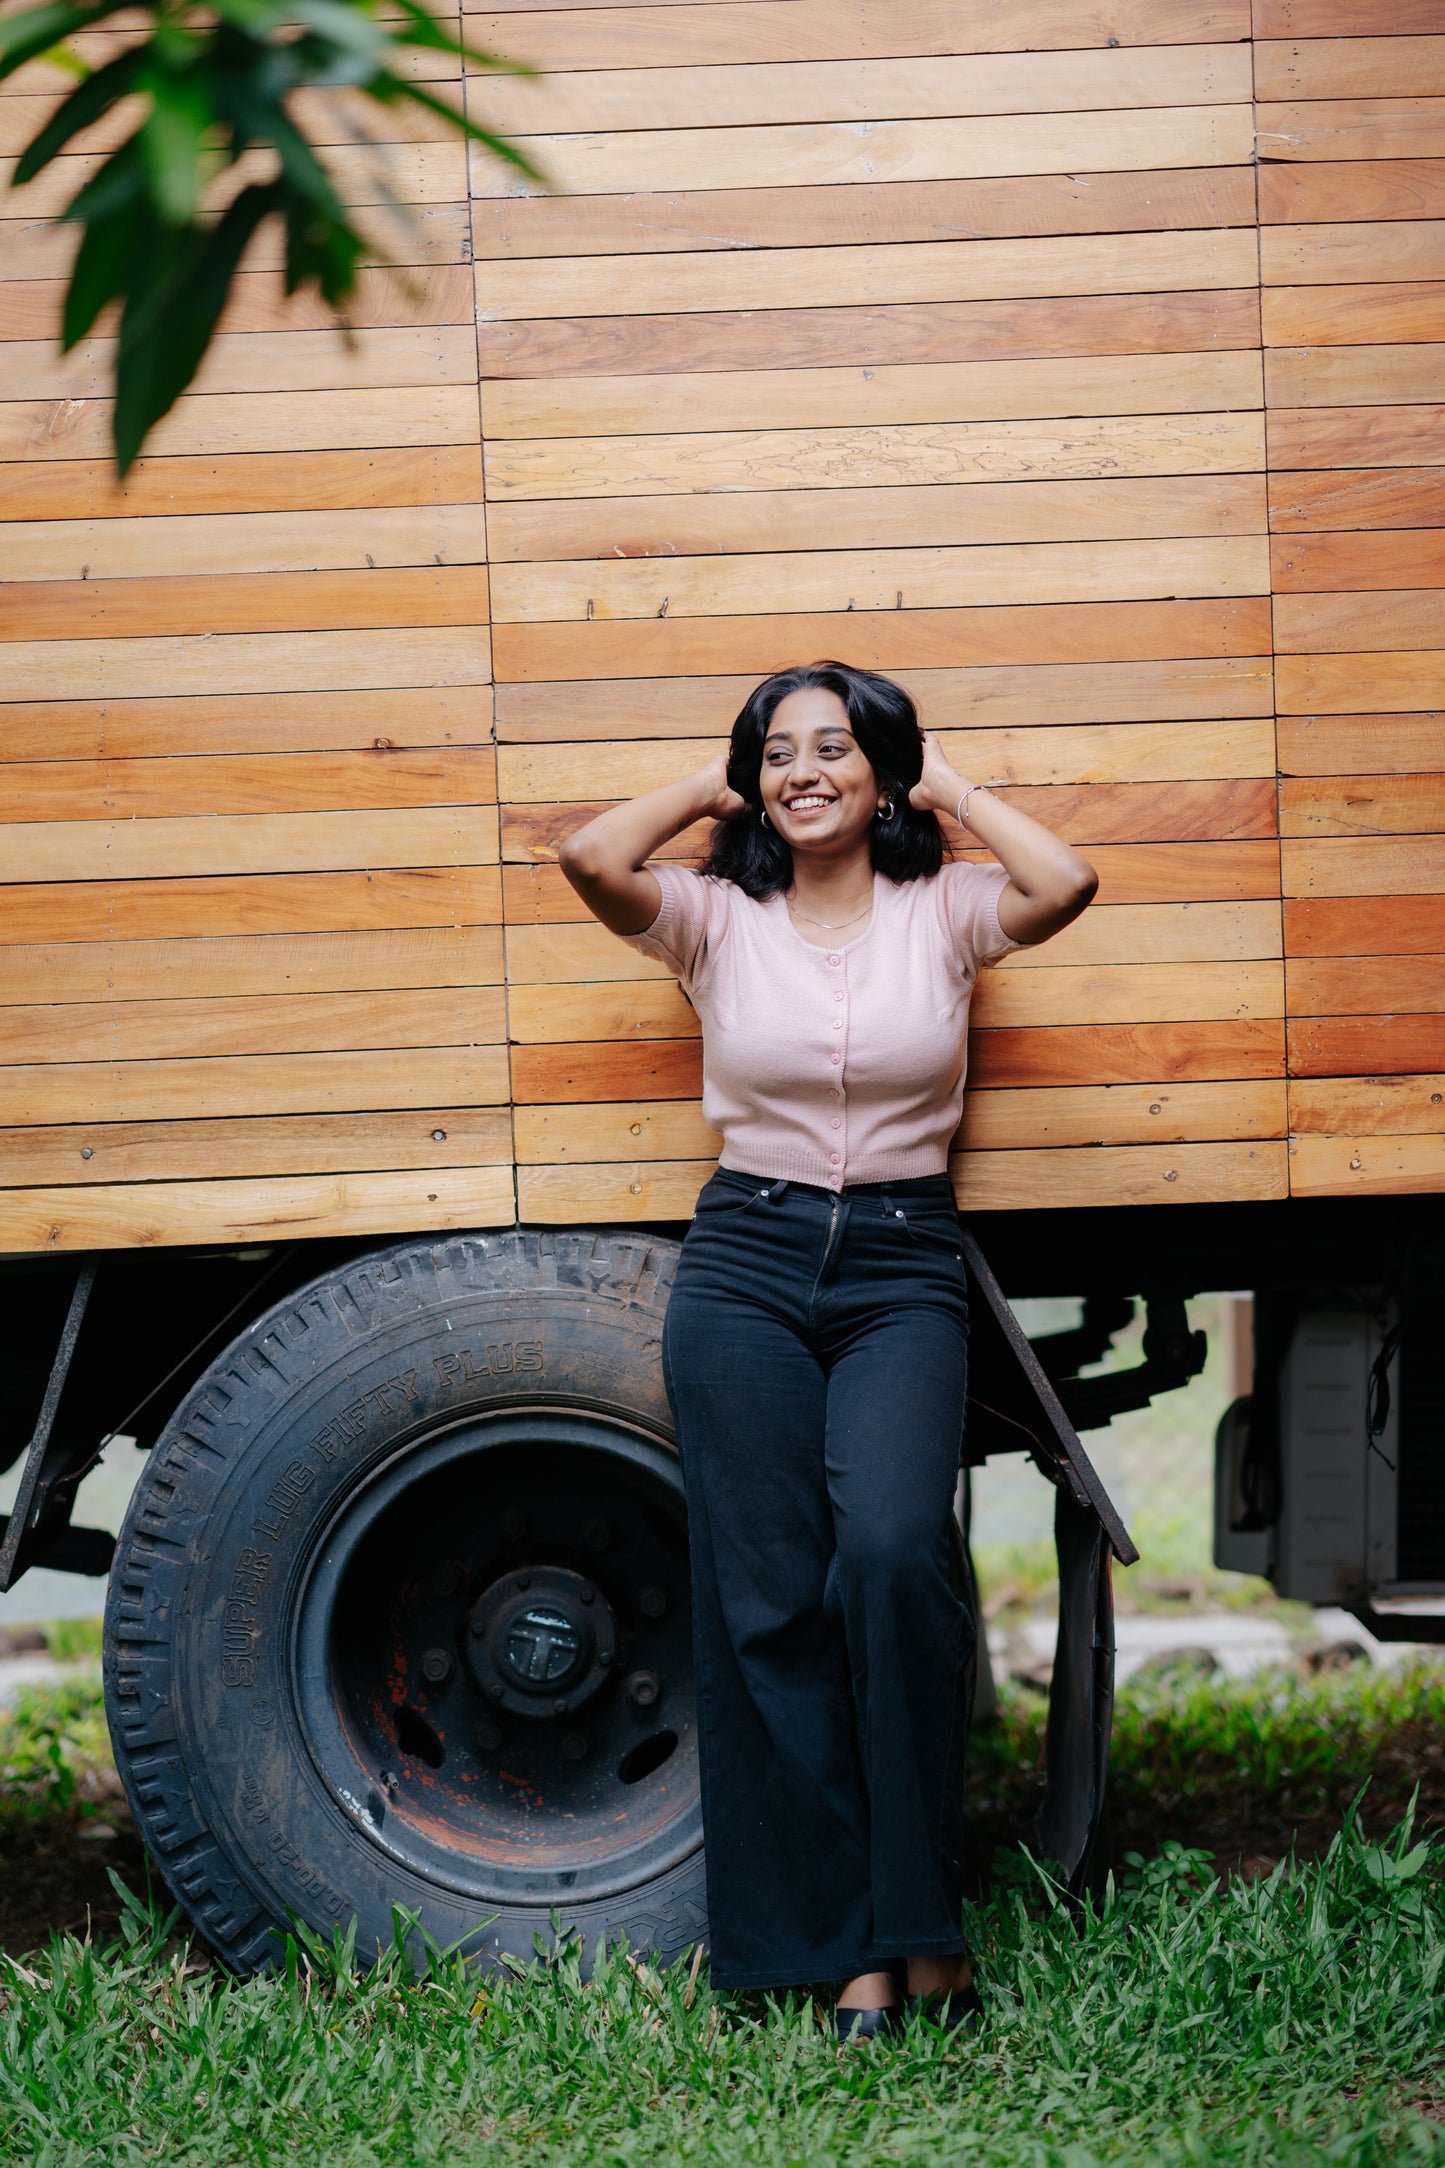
(833, 1065)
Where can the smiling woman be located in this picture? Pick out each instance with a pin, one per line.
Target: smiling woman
(815, 1343)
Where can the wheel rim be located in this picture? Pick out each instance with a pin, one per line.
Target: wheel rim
(493, 1659)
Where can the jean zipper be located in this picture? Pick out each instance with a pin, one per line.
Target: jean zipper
(832, 1230)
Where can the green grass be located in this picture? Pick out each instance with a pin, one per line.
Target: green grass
(1292, 2021)
(1286, 2021)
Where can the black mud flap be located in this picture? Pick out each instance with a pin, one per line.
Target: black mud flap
(1012, 1406)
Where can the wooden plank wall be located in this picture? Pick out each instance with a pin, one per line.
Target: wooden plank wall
(923, 332)
(251, 955)
(1352, 212)
(936, 348)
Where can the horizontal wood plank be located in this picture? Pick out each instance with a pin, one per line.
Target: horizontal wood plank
(1345, 376)
(221, 906)
(144, 1215)
(281, 1023)
(228, 484)
(1367, 1106)
(268, 544)
(1357, 436)
(1358, 497)
(1350, 128)
(1340, 684)
(1346, 189)
(1336, 563)
(1354, 66)
(1364, 925)
(69, 790)
(1393, 622)
(1345, 18)
(886, 639)
(1362, 805)
(247, 843)
(242, 1146)
(235, 422)
(1392, 1045)
(180, 969)
(270, 723)
(885, 456)
(255, 662)
(256, 362)
(217, 1087)
(1364, 866)
(878, 212)
(1341, 986)
(1336, 745)
(863, 276)
(837, 153)
(1355, 315)
(259, 602)
(1371, 1165)
(939, 331)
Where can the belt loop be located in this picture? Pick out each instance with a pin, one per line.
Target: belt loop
(775, 1191)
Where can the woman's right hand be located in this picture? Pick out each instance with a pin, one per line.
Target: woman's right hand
(723, 803)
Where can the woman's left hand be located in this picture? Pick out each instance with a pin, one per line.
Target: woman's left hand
(938, 789)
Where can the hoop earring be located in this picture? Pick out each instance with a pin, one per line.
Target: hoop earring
(763, 815)
(882, 815)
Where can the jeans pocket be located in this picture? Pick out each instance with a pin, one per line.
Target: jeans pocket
(725, 1200)
(928, 1226)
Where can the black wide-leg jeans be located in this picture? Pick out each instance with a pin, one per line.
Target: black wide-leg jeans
(815, 1353)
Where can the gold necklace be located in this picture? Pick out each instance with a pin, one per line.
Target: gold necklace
(830, 925)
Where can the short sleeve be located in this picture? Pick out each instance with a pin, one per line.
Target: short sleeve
(689, 925)
(970, 899)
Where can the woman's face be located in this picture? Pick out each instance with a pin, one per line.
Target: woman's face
(818, 787)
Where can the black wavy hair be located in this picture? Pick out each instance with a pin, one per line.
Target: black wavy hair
(907, 846)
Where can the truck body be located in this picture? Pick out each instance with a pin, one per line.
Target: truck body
(1080, 365)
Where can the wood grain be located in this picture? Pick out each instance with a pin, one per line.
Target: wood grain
(872, 457)
(256, 662)
(1350, 128)
(1358, 436)
(218, 1087)
(621, 34)
(1359, 497)
(1350, 375)
(1354, 315)
(1322, 563)
(906, 579)
(222, 906)
(142, 1215)
(242, 422)
(181, 969)
(246, 843)
(1346, 254)
(256, 362)
(1391, 1045)
(424, 294)
(750, 95)
(1364, 926)
(1367, 866)
(887, 639)
(1370, 1165)
(1340, 684)
(155, 606)
(1337, 986)
(1355, 66)
(878, 518)
(840, 153)
(120, 730)
(939, 331)
(1346, 18)
(1396, 621)
(1006, 696)
(1333, 745)
(887, 212)
(262, 544)
(781, 278)
(1386, 188)
(278, 1023)
(1353, 1107)
(227, 484)
(285, 1144)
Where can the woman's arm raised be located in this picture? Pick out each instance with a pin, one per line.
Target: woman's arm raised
(606, 861)
(1048, 884)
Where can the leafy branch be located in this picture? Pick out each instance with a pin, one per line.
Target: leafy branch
(162, 234)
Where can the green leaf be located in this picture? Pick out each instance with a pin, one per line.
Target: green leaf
(173, 139)
(171, 313)
(99, 272)
(24, 36)
(119, 183)
(95, 96)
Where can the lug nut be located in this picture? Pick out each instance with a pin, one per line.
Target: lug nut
(652, 1602)
(523, 1580)
(576, 1745)
(597, 1535)
(437, 1666)
(495, 1690)
(604, 1659)
(644, 1688)
(486, 1736)
(587, 1592)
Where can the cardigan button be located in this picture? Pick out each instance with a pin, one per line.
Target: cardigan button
(835, 959)
(835, 1159)
(835, 1059)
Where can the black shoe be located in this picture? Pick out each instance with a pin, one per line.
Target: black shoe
(852, 2024)
(958, 2010)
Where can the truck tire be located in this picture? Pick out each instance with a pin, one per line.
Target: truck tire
(399, 1614)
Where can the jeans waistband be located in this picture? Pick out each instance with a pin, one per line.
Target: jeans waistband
(913, 1185)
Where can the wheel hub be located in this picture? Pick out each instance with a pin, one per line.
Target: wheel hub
(540, 1642)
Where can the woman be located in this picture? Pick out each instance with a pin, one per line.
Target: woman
(815, 1340)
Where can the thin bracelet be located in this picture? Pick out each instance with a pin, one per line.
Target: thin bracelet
(963, 801)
